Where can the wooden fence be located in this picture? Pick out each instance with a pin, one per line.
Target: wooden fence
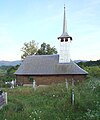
(3, 99)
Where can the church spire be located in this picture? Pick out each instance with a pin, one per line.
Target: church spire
(64, 21)
(65, 39)
(65, 32)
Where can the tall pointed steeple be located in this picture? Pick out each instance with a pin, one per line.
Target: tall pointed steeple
(64, 21)
(65, 39)
(65, 32)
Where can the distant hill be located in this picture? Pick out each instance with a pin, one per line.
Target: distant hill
(10, 63)
(77, 61)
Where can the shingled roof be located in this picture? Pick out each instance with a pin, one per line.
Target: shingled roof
(47, 65)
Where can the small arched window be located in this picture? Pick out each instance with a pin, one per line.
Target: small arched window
(66, 39)
(62, 40)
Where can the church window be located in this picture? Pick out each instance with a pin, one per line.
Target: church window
(66, 39)
(62, 40)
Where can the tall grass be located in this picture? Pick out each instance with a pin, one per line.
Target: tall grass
(53, 102)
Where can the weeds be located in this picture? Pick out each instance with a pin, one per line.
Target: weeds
(54, 102)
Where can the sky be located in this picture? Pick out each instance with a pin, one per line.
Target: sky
(42, 20)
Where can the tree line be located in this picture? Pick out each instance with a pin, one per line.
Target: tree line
(31, 48)
(89, 63)
(92, 67)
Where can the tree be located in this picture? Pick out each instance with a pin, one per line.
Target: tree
(29, 49)
(8, 73)
(46, 49)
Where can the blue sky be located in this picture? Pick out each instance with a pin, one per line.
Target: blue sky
(41, 20)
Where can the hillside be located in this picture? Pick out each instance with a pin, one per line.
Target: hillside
(53, 102)
(10, 63)
(89, 63)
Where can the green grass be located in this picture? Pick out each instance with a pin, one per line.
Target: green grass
(53, 103)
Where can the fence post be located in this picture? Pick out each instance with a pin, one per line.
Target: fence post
(34, 85)
(73, 97)
(5, 95)
(66, 84)
(72, 93)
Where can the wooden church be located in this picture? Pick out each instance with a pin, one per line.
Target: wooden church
(48, 69)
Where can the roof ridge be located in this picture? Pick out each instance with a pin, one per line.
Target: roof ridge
(44, 55)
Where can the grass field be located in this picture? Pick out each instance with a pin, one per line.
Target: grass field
(53, 102)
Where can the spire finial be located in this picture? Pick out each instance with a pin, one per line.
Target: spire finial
(64, 6)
